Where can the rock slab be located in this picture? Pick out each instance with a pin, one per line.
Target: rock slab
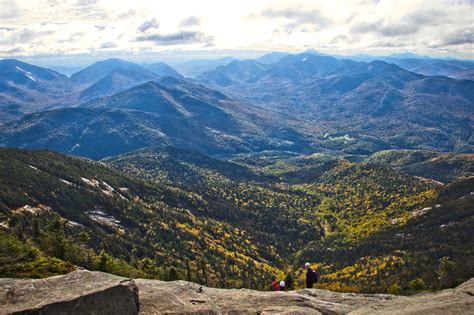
(80, 292)
(86, 292)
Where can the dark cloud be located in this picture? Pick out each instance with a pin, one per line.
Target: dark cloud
(190, 21)
(461, 37)
(408, 25)
(298, 17)
(148, 25)
(182, 37)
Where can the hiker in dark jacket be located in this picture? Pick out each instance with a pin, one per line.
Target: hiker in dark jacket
(311, 276)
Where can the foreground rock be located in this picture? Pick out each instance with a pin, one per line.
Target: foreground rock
(85, 292)
(80, 292)
(459, 300)
(184, 297)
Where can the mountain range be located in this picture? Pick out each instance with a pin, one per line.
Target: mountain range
(176, 112)
(357, 98)
(304, 103)
(25, 88)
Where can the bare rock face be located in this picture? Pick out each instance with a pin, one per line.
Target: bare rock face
(459, 300)
(85, 292)
(182, 297)
(80, 292)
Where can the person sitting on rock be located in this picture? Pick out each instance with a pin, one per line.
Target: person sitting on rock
(282, 286)
(311, 276)
(278, 285)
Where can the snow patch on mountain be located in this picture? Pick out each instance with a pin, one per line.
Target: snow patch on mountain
(27, 73)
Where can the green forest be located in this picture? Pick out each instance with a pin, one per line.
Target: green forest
(374, 225)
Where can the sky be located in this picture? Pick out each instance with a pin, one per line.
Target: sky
(74, 31)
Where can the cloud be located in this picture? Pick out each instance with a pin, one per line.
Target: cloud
(8, 9)
(386, 29)
(190, 21)
(182, 37)
(108, 45)
(387, 44)
(24, 39)
(398, 29)
(148, 25)
(365, 27)
(427, 17)
(297, 17)
(11, 51)
(85, 2)
(342, 26)
(303, 20)
(459, 37)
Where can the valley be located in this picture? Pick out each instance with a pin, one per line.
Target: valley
(241, 172)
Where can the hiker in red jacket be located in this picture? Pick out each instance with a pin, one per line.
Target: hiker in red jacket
(279, 286)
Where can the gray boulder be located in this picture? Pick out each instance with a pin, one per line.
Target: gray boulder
(80, 292)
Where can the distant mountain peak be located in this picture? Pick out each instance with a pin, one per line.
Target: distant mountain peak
(314, 52)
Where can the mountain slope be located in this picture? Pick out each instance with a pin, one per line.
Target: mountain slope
(115, 81)
(177, 112)
(441, 167)
(90, 214)
(219, 220)
(361, 211)
(180, 167)
(25, 88)
(192, 68)
(433, 250)
(163, 70)
(272, 57)
(456, 69)
(113, 75)
(98, 70)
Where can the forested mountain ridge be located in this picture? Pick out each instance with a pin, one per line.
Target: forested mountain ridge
(444, 167)
(177, 225)
(91, 215)
(172, 112)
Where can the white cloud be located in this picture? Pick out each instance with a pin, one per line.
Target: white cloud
(8, 9)
(34, 27)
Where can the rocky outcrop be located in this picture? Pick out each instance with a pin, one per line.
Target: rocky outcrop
(80, 292)
(85, 292)
(184, 297)
(459, 300)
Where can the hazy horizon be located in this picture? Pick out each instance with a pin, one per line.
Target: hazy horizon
(80, 32)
